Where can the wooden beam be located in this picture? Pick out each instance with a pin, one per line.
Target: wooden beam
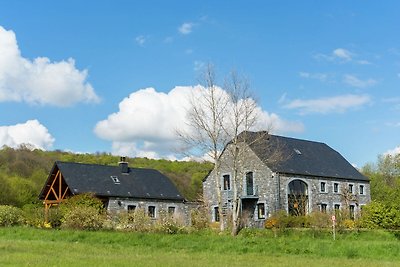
(65, 192)
(52, 184)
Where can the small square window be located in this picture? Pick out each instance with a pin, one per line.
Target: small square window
(171, 211)
(337, 207)
(336, 187)
(227, 182)
(323, 187)
(261, 211)
(324, 207)
(131, 208)
(152, 211)
(361, 189)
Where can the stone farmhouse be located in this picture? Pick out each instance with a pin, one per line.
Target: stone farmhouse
(281, 173)
(121, 188)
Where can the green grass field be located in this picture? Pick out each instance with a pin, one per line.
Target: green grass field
(36, 247)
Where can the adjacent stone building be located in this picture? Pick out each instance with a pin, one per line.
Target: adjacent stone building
(121, 188)
(280, 173)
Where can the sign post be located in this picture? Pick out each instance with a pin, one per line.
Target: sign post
(334, 226)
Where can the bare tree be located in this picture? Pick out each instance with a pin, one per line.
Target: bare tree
(242, 116)
(219, 118)
(205, 117)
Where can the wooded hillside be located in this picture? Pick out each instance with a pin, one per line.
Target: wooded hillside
(23, 172)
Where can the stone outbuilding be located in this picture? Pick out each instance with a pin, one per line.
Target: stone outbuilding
(281, 173)
(121, 188)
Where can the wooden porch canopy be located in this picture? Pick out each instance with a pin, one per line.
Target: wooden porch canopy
(56, 189)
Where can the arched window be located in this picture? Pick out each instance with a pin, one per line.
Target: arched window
(297, 198)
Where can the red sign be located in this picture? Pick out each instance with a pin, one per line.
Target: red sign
(333, 218)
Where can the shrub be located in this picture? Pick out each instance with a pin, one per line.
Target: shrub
(319, 220)
(82, 200)
(199, 218)
(33, 214)
(133, 221)
(10, 216)
(169, 224)
(83, 218)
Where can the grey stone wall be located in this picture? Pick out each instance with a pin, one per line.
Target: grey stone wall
(329, 197)
(182, 209)
(272, 188)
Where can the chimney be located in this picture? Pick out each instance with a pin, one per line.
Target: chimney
(123, 164)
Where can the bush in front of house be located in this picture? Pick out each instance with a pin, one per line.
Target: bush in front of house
(136, 221)
(378, 215)
(83, 218)
(199, 218)
(10, 216)
(169, 224)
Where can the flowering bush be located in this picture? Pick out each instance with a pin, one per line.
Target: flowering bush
(10, 216)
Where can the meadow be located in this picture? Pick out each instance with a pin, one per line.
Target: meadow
(24, 246)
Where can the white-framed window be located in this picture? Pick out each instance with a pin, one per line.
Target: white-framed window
(151, 211)
(323, 207)
(215, 214)
(336, 188)
(260, 211)
(351, 188)
(361, 189)
(226, 182)
(322, 187)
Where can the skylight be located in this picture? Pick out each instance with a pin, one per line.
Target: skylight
(298, 152)
(115, 179)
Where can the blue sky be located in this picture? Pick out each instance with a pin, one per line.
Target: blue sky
(73, 74)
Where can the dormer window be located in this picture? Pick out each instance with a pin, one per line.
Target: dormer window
(115, 179)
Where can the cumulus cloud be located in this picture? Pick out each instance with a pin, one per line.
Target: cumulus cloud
(393, 151)
(186, 28)
(356, 82)
(40, 81)
(147, 120)
(31, 132)
(336, 104)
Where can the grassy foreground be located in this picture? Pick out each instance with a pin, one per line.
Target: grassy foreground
(36, 247)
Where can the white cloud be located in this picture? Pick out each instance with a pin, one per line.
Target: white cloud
(343, 54)
(336, 104)
(147, 120)
(186, 28)
(393, 151)
(140, 40)
(356, 82)
(40, 81)
(31, 132)
(317, 76)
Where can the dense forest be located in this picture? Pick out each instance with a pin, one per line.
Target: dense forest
(23, 172)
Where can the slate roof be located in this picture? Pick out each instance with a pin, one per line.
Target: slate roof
(97, 179)
(302, 157)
